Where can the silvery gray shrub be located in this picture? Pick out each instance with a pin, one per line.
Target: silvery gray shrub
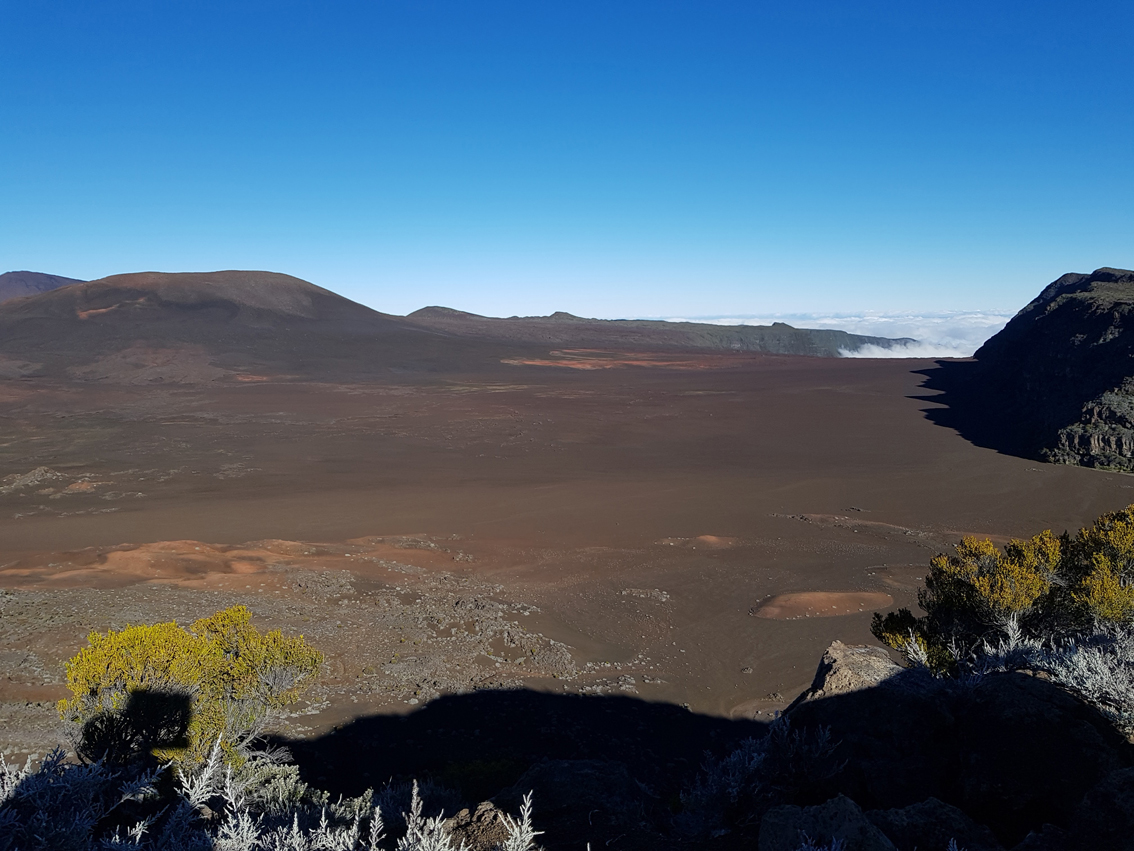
(1097, 665)
(66, 806)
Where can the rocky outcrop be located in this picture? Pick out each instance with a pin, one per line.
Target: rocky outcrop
(588, 800)
(845, 669)
(1059, 377)
(1009, 751)
(1104, 434)
(482, 829)
(1105, 819)
(931, 826)
(839, 819)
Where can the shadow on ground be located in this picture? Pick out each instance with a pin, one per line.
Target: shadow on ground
(482, 742)
(978, 414)
(1008, 752)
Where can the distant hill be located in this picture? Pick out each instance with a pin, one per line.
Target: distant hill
(190, 327)
(21, 284)
(1061, 373)
(564, 329)
(194, 327)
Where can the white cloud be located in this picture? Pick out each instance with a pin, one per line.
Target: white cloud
(952, 334)
(918, 349)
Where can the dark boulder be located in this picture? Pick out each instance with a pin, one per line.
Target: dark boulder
(931, 826)
(1011, 751)
(595, 801)
(480, 829)
(1046, 838)
(1029, 752)
(1104, 820)
(785, 827)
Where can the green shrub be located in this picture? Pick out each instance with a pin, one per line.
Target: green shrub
(176, 692)
(1046, 587)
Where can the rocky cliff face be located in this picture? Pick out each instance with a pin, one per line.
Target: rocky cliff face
(1061, 373)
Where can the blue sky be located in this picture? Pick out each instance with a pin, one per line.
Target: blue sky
(607, 158)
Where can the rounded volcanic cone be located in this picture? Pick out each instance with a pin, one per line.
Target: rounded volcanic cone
(23, 284)
(232, 321)
(249, 297)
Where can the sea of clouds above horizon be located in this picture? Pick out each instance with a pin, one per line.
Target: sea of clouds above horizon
(947, 334)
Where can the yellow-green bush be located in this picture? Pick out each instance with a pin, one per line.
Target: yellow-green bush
(236, 678)
(1046, 585)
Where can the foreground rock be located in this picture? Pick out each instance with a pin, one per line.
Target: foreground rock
(1105, 819)
(845, 669)
(595, 801)
(985, 763)
(931, 826)
(839, 819)
(873, 755)
(479, 829)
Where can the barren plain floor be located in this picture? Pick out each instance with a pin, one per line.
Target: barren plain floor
(689, 534)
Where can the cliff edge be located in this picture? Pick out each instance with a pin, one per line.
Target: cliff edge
(1061, 373)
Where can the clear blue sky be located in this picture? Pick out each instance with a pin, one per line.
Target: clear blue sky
(607, 158)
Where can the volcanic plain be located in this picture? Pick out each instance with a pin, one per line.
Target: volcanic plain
(442, 513)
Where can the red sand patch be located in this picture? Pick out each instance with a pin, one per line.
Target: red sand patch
(97, 311)
(83, 487)
(822, 604)
(196, 564)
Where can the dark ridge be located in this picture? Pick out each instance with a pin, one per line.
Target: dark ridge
(1057, 383)
(565, 329)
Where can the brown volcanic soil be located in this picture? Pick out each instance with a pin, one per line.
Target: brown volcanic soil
(822, 604)
(440, 514)
(615, 529)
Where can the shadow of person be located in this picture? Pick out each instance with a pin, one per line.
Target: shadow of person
(152, 719)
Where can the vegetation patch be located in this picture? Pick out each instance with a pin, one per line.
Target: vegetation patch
(174, 694)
